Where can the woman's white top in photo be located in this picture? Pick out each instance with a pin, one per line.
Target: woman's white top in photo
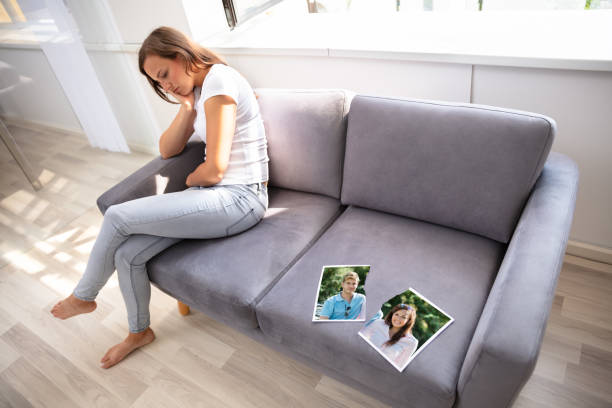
(248, 162)
(378, 333)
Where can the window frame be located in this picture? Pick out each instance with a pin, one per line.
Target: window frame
(232, 11)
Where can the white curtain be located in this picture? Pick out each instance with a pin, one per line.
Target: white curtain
(72, 67)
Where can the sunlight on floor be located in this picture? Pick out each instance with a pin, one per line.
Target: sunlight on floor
(58, 184)
(79, 267)
(44, 247)
(64, 236)
(17, 201)
(59, 284)
(62, 257)
(160, 184)
(24, 262)
(34, 213)
(46, 176)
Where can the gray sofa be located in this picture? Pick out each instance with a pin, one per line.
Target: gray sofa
(462, 202)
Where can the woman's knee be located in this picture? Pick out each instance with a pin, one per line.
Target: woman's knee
(114, 216)
(112, 213)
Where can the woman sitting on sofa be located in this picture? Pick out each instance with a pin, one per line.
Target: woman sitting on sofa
(226, 194)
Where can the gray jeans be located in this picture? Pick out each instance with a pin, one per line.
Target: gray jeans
(134, 231)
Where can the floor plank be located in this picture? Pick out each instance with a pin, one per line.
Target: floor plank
(59, 370)
(34, 386)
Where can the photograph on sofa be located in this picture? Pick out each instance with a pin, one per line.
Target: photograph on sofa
(403, 326)
(341, 293)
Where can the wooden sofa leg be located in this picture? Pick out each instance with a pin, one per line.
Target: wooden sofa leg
(183, 308)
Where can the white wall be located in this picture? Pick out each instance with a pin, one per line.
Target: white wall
(135, 19)
(381, 77)
(39, 96)
(581, 104)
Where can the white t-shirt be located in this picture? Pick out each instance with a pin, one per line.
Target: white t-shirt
(248, 162)
(378, 333)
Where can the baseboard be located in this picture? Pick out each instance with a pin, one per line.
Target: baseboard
(590, 252)
(43, 126)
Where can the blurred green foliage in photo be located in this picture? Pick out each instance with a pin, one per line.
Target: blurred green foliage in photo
(429, 319)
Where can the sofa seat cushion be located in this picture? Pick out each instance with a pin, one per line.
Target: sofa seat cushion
(453, 269)
(224, 277)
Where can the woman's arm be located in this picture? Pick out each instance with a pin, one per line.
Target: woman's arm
(174, 139)
(220, 111)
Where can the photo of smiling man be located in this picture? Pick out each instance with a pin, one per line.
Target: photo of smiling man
(346, 302)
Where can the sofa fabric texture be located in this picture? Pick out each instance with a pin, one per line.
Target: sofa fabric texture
(226, 276)
(468, 167)
(453, 269)
(306, 131)
(498, 364)
(159, 176)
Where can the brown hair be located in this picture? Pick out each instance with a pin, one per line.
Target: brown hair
(350, 275)
(167, 42)
(405, 328)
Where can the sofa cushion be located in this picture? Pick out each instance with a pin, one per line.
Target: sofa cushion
(306, 132)
(451, 268)
(224, 277)
(465, 166)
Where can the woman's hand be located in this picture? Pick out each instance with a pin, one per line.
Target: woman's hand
(186, 101)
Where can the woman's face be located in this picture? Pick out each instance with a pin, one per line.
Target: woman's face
(349, 286)
(170, 73)
(400, 318)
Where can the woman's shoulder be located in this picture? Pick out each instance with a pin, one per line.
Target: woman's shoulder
(378, 323)
(222, 71)
(218, 72)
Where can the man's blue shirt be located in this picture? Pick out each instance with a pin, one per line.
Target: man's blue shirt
(336, 308)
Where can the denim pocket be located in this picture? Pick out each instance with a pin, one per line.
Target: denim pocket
(244, 223)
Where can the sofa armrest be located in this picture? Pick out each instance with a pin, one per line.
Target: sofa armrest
(150, 178)
(507, 340)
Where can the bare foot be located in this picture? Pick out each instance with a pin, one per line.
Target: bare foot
(72, 306)
(131, 343)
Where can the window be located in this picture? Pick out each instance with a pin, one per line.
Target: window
(239, 11)
(336, 6)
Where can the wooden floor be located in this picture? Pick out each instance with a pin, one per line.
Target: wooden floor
(45, 239)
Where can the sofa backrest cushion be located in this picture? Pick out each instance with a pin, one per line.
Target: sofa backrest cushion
(306, 133)
(465, 166)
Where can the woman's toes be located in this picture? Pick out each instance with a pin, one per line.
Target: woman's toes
(72, 306)
(119, 351)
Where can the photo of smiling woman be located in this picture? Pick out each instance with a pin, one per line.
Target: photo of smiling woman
(226, 194)
(341, 295)
(403, 326)
(392, 335)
